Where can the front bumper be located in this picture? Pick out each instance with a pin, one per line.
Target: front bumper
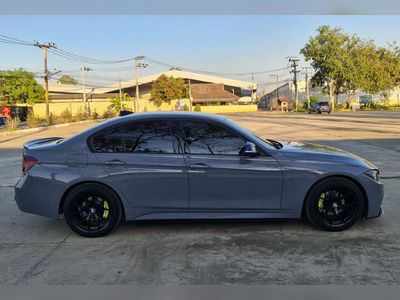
(375, 192)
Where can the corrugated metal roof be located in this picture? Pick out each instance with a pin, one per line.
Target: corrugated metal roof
(66, 88)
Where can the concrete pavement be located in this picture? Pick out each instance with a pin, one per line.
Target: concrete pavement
(36, 250)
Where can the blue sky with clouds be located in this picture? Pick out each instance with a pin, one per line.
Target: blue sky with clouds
(214, 43)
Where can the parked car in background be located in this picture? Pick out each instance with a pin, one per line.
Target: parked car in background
(179, 165)
(20, 112)
(320, 107)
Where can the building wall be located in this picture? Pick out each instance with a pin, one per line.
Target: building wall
(228, 108)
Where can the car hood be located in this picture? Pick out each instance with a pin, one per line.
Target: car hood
(315, 152)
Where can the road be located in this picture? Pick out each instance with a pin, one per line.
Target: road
(45, 251)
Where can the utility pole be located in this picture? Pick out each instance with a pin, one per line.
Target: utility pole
(138, 65)
(252, 87)
(120, 95)
(46, 76)
(84, 70)
(276, 76)
(294, 64)
(190, 96)
(307, 85)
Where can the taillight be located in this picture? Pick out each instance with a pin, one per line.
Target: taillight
(28, 162)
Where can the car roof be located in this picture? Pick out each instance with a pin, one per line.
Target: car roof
(145, 116)
(167, 115)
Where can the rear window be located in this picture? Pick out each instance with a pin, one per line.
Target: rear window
(324, 103)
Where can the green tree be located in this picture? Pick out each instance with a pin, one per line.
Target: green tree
(165, 89)
(330, 53)
(19, 86)
(118, 105)
(378, 67)
(66, 79)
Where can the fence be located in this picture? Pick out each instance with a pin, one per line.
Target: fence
(77, 107)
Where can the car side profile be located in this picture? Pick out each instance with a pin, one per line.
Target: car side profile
(181, 165)
(320, 107)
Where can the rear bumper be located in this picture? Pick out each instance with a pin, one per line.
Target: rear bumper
(36, 196)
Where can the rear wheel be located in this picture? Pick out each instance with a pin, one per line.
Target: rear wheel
(92, 210)
(334, 204)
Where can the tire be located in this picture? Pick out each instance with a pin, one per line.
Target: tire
(336, 199)
(92, 204)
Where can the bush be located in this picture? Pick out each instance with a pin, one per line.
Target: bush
(95, 115)
(197, 108)
(12, 123)
(52, 119)
(32, 121)
(186, 107)
(108, 114)
(81, 116)
(66, 116)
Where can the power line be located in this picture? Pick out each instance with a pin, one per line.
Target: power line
(11, 40)
(83, 59)
(211, 72)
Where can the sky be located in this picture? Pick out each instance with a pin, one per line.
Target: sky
(222, 44)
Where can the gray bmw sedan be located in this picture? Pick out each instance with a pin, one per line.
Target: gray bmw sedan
(178, 165)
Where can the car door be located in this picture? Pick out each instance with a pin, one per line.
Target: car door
(220, 178)
(145, 164)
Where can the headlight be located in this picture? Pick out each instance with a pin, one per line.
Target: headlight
(373, 174)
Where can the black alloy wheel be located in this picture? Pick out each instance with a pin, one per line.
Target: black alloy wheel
(334, 204)
(92, 210)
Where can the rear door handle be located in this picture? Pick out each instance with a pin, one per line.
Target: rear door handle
(114, 162)
(199, 166)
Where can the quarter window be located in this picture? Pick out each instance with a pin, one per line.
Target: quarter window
(207, 138)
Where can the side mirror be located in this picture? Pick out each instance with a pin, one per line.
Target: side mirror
(249, 149)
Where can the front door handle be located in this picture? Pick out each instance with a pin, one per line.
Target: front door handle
(114, 162)
(199, 166)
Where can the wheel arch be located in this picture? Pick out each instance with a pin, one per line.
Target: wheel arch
(67, 191)
(351, 179)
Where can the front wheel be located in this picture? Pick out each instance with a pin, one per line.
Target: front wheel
(92, 210)
(334, 204)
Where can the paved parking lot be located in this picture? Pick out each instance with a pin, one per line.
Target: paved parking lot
(40, 250)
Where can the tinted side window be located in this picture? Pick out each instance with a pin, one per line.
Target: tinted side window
(148, 137)
(109, 141)
(207, 138)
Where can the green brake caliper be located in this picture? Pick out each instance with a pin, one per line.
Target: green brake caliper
(321, 202)
(105, 209)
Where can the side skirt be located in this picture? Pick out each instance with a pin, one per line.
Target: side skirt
(162, 214)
